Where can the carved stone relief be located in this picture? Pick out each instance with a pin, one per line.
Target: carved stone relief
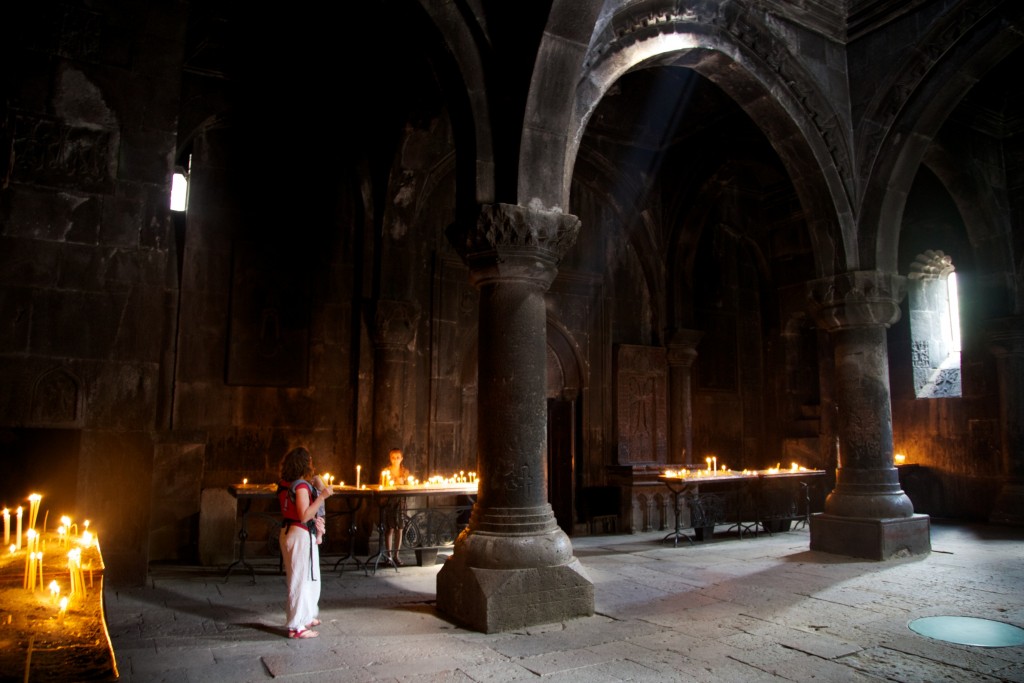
(56, 399)
(641, 400)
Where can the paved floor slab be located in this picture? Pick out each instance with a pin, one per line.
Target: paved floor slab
(756, 609)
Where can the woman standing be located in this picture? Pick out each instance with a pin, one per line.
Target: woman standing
(300, 502)
(394, 513)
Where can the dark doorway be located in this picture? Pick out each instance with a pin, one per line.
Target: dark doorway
(561, 451)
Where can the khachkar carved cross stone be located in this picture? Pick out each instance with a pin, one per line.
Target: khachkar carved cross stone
(513, 566)
(641, 378)
(867, 514)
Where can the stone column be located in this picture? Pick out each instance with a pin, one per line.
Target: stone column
(1006, 341)
(513, 566)
(867, 514)
(682, 351)
(394, 329)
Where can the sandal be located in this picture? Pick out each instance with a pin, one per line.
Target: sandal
(315, 622)
(302, 633)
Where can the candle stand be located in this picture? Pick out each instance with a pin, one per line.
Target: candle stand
(425, 530)
(43, 642)
(762, 500)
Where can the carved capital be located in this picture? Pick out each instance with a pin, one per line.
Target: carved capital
(394, 323)
(510, 241)
(682, 349)
(865, 298)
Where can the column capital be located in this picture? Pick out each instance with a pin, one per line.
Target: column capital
(682, 348)
(514, 242)
(863, 298)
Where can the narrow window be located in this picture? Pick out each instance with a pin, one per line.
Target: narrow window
(934, 326)
(179, 188)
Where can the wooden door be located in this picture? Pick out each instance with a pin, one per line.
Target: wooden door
(561, 458)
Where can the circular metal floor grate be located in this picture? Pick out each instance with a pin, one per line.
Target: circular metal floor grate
(969, 631)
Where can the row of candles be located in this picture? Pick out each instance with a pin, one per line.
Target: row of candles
(714, 470)
(30, 539)
(462, 478)
(387, 481)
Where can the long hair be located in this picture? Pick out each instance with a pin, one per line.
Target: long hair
(297, 464)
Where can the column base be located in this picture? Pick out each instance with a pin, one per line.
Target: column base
(872, 539)
(495, 600)
(1009, 505)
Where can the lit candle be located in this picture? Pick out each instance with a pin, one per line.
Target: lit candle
(54, 591)
(65, 538)
(63, 607)
(708, 461)
(715, 459)
(17, 541)
(358, 469)
(33, 509)
(75, 571)
(7, 526)
(245, 481)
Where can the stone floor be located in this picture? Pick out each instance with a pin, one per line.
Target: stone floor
(757, 609)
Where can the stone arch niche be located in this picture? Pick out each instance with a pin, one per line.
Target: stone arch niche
(56, 399)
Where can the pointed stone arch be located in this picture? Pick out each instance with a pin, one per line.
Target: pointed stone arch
(735, 51)
(910, 107)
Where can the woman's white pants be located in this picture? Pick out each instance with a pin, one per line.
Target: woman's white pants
(302, 572)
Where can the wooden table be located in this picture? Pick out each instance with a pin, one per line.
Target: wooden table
(247, 493)
(422, 526)
(752, 496)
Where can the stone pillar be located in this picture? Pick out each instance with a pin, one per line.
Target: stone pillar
(1006, 341)
(513, 566)
(867, 514)
(394, 329)
(682, 351)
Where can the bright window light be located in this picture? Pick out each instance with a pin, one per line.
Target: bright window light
(954, 312)
(179, 192)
